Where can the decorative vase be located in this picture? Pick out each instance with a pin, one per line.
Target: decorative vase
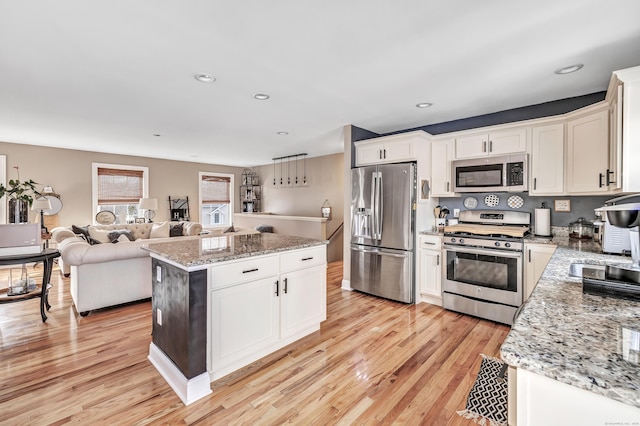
(18, 211)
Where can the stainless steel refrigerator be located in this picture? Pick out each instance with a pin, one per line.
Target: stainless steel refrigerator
(382, 230)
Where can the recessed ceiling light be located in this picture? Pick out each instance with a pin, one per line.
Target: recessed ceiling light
(424, 104)
(569, 69)
(204, 78)
(261, 96)
(283, 133)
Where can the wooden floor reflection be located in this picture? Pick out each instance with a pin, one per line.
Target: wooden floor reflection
(373, 361)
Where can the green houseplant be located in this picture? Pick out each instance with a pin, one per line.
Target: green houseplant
(20, 195)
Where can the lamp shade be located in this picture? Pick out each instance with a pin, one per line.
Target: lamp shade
(40, 204)
(148, 203)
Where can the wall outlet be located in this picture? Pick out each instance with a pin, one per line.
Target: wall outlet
(159, 316)
(456, 212)
(159, 273)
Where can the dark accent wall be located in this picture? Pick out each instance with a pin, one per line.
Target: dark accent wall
(547, 109)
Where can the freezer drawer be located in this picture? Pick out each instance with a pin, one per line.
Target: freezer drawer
(383, 272)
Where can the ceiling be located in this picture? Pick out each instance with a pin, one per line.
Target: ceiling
(108, 76)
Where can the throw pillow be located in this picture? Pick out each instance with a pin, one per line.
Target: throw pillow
(83, 231)
(160, 230)
(99, 235)
(114, 236)
(122, 239)
(176, 230)
(229, 229)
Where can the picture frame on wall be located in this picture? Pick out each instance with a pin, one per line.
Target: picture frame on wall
(562, 206)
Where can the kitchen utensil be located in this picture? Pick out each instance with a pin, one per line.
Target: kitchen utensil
(436, 212)
(444, 212)
(581, 229)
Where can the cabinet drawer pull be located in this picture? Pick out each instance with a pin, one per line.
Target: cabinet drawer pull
(609, 181)
(250, 270)
(438, 260)
(447, 186)
(484, 146)
(600, 176)
(286, 280)
(277, 288)
(429, 243)
(307, 258)
(490, 146)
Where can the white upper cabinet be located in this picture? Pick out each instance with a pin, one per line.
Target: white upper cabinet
(614, 179)
(547, 160)
(389, 149)
(494, 143)
(588, 154)
(628, 125)
(441, 156)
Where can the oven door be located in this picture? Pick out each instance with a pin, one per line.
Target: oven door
(484, 274)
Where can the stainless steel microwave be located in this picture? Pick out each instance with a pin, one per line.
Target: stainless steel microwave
(506, 173)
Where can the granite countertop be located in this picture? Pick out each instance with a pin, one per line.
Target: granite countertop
(198, 252)
(579, 339)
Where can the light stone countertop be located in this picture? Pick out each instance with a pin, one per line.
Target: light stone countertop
(190, 253)
(577, 338)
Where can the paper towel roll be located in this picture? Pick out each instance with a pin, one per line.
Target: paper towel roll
(543, 222)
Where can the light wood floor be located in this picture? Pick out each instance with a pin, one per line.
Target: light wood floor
(373, 362)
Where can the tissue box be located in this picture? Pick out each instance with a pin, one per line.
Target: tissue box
(20, 238)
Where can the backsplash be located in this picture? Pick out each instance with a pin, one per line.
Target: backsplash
(580, 206)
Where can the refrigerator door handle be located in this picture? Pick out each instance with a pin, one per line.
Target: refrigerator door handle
(359, 250)
(380, 205)
(382, 253)
(374, 216)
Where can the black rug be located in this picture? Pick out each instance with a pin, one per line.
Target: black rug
(487, 401)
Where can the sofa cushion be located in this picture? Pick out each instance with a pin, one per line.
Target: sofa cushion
(114, 236)
(123, 238)
(176, 230)
(83, 231)
(99, 235)
(160, 230)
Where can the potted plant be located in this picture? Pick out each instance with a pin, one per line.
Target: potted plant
(20, 195)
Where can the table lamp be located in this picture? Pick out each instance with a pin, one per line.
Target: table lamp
(150, 205)
(41, 204)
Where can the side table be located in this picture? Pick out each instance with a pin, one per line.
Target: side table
(46, 256)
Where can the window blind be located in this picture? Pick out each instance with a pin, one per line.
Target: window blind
(118, 186)
(216, 190)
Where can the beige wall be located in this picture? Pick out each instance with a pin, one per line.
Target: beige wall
(325, 181)
(68, 172)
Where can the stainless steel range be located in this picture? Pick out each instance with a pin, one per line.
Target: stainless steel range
(484, 263)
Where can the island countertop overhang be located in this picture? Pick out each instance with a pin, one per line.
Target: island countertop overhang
(199, 252)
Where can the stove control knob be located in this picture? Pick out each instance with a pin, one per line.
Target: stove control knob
(453, 240)
(507, 245)
(461, 241)
(497, 244)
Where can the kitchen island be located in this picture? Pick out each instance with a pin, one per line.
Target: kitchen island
(221, 303)
(575, 356)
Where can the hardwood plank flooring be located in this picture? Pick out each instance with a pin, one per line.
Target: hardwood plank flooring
(374, 361)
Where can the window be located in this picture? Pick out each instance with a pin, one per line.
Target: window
(118, 189)
(216, 199)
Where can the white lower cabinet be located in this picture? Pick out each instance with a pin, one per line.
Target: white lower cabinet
(303, 300)
(252, 315)
(430, 269)
(544, 401)
(245, 318)
(537, 257)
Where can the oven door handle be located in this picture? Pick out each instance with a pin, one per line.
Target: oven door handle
(484, 251)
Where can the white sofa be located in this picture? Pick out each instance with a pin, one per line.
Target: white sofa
(109, 274)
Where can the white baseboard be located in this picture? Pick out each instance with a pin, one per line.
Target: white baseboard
(188, 390)
(346, 285)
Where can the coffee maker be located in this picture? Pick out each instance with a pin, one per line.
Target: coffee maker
(621, 279)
